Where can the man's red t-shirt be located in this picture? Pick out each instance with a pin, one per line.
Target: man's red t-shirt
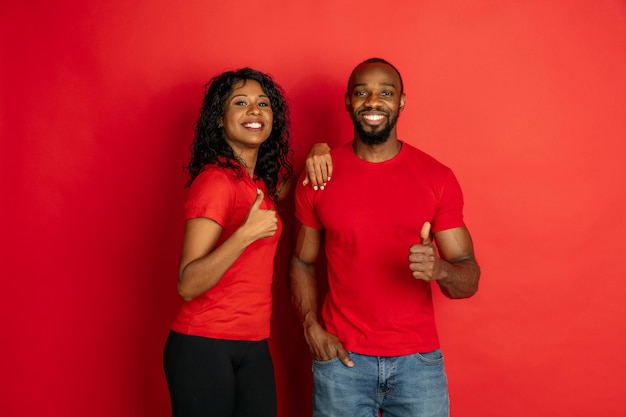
(371, 214)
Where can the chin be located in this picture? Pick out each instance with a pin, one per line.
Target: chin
(374, 137)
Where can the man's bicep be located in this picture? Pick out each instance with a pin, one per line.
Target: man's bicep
(307, 243)
(455, 244)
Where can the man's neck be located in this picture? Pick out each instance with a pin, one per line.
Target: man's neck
(377, 153)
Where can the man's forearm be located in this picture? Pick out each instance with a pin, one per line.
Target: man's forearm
(460, 278)
(303, 291)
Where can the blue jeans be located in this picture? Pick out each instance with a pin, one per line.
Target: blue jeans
(399, 386)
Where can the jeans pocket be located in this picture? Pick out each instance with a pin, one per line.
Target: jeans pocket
(435, 357)
(317, 362)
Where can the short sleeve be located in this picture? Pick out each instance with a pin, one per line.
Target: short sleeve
(211, 195)
(305, 205)
(449, 213)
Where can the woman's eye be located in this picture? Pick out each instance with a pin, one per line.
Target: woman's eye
(240, 103)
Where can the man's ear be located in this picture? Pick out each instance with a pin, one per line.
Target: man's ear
(402, 101)
(346, 101)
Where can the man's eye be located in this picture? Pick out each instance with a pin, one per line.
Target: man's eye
(360, 93)
(387, 93)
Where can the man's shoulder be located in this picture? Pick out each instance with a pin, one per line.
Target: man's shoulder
(342, 150)
(423, 158)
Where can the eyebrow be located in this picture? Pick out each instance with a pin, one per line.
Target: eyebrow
(389, 84)
(246, 95)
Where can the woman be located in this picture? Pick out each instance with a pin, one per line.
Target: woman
(216, 359)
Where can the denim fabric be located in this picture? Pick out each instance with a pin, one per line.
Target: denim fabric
(399, 386)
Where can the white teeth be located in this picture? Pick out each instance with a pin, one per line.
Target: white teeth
(373, 117)
(255, 125)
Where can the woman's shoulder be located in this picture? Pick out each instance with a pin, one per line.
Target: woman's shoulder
(215, 178)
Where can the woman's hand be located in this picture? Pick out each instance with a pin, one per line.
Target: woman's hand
(318, 166)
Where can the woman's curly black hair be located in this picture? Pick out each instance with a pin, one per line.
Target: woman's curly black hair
(210, 148)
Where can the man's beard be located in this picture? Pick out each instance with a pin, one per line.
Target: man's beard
(376, 136)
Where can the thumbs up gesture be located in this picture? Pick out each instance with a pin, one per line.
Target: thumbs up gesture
(423, 261)
(260, 223)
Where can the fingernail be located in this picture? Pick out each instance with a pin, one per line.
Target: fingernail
(315, 187)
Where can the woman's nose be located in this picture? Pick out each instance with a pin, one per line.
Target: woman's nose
(254, 109)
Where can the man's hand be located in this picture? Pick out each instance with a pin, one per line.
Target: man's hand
(318, 166)
(325, 346)
(423, 260)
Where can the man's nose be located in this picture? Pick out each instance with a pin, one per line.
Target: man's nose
(373, 100)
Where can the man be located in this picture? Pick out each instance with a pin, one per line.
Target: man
(375, 345)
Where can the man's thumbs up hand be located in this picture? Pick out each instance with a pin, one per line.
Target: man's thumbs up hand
(423, 261)
(425, 234)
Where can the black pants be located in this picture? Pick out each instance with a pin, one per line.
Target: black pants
(219, 378)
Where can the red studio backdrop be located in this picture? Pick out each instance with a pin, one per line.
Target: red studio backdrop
(524, 100)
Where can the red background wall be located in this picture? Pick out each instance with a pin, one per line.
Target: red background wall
(525, 100)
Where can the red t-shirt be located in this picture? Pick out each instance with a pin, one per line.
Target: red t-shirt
(372, 213)
(239, 306)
